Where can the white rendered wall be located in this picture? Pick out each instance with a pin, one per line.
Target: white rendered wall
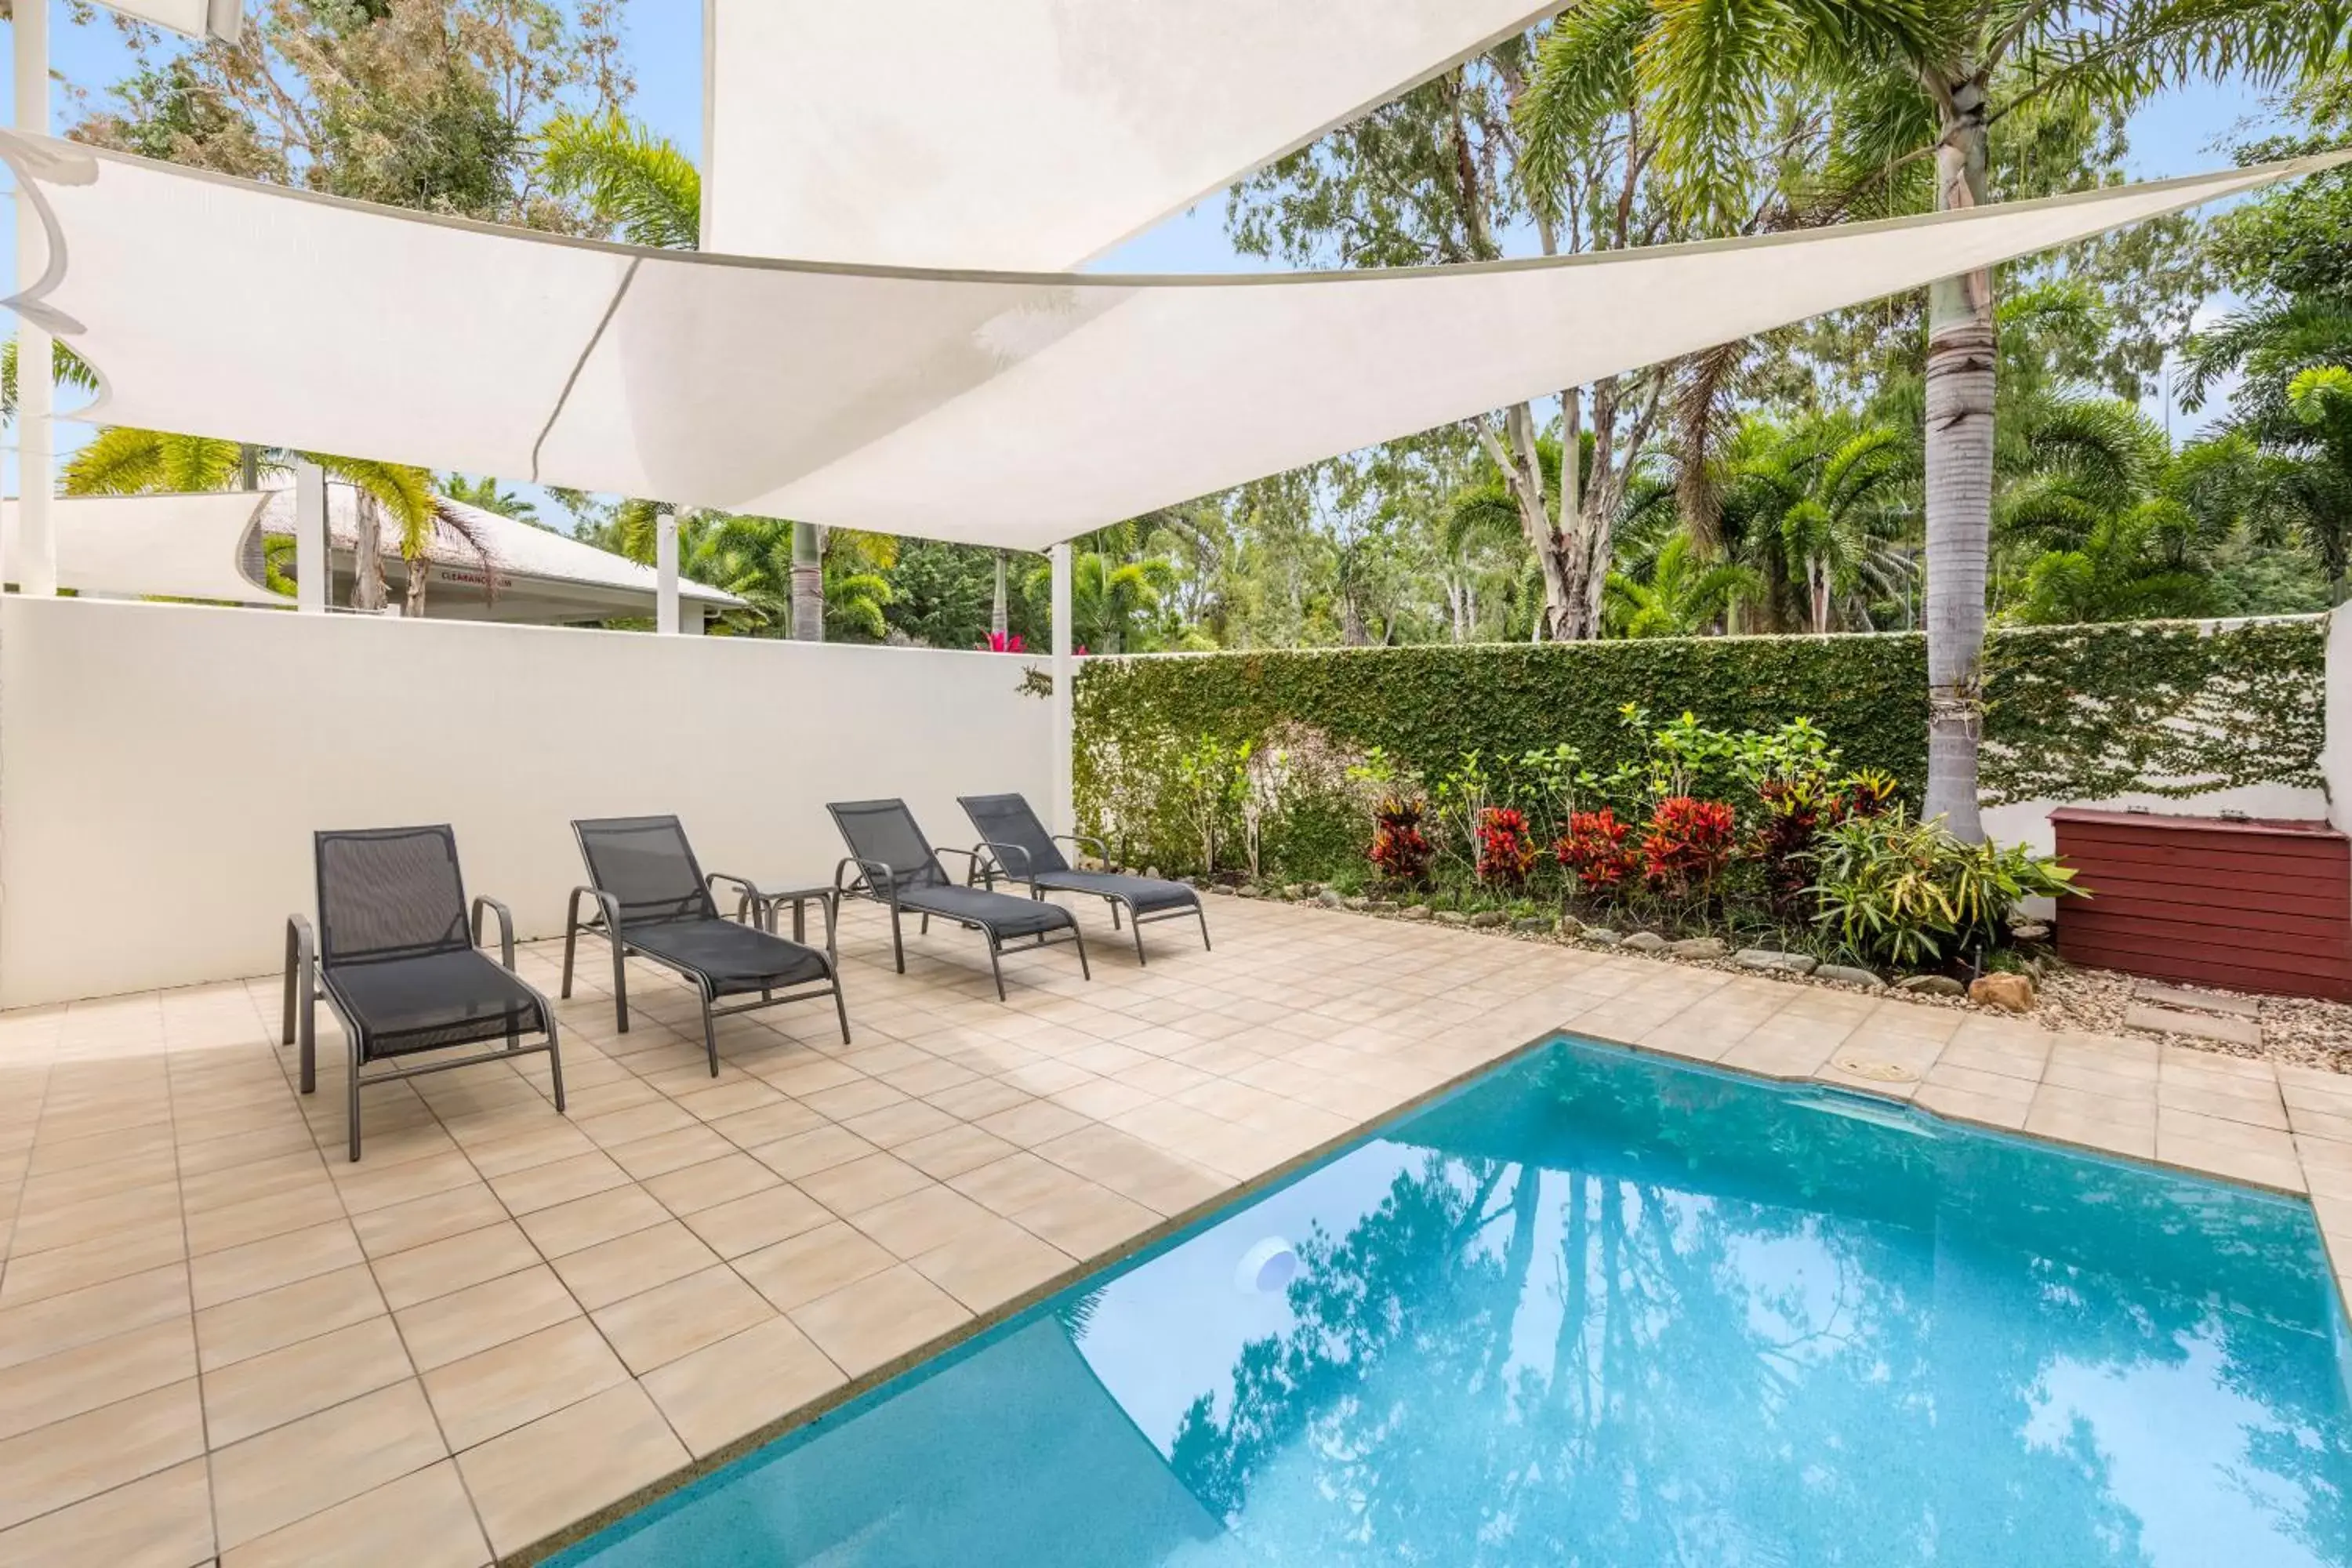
(2335, 758)
(162, 766)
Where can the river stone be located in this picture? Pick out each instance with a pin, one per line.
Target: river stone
(1331, 901)
(1413, 912)
(1249, 892)
(1931, 985)
(1452, 918)
(2014, 992)
(1485, 919)
(1646, 941)
(1767, 958)
(1221, 888)
(1568, 925)
(1697, 947)
(1378, 906)
(1294, 891)
(1358, 905)
(1842, 975)
(1531, 924)
(1601, 935)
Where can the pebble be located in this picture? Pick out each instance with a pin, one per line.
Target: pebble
(1931, 985)
(1603, 935)
(1415, 913)
(1767, 958)
(1452, 918)
(1697, 947)
(1570, 925)
(1645, 942)
(1842, 975)
(1487, 919)
(1531, 924)
(1331, 900)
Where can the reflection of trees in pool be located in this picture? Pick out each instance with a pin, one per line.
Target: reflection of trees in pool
(1696, 1400)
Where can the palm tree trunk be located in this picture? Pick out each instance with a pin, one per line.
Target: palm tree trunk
(367, 554)
(1817, 574)
(999, 622)
(808, 582)
(419, 575)
(1960, 354)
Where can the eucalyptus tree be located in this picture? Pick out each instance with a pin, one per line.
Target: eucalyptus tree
(1918, 90)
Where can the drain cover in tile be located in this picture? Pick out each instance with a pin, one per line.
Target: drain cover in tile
(1876, 1071)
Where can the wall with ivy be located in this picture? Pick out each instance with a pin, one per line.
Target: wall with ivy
(2075, 713)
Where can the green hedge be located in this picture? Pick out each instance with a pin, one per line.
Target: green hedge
(2075, 712)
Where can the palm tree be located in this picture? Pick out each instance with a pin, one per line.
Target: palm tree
(1683, 595)
(2132, 566)
(124, 460)
(632, 180)
(1914, 85)
(486, 494)
(1110, 598)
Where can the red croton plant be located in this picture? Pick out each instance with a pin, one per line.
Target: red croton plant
(1594, 847)
(1507, 850)
(1688, 844)
(1400, 848)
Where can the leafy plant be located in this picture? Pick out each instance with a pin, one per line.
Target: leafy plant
(1400, 849)
(1899, 891)
(1208, 788)
(1688, 845)
(1506, 850)
(1461, 800)
(1594, 847)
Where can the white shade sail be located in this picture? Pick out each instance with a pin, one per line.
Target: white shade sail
(1008, 409)
(178, 546)
(1032, 134)
(198, 18)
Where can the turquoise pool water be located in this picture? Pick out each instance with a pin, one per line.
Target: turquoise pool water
(1607, 1311)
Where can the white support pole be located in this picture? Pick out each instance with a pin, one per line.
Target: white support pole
(2336, 755)
(1065, 670)
(312, 564)
(665, 571)
(35, 557)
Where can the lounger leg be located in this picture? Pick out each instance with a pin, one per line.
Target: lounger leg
(1084, 973)
(1203, 915)
(620, 981)
(994, 967)
(1133, 922)
(709, 1036)
(1114, 918)
(897, 943)
(353, 1089)
(570, 940)
(555, 1060)
(840, 1007)
(925, 929)
(306, 1006)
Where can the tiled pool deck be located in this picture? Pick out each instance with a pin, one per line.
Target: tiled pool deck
(219, 1339)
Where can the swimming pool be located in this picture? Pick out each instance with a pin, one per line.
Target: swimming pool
(1612, 1311)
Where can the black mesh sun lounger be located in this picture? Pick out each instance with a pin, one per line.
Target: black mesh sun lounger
(897, 866)
(654, 902)
(1015, 846)
(392, 956)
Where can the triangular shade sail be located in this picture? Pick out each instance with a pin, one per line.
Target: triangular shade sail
(1001, 409)
(1032, 134)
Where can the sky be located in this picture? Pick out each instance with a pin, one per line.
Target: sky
(2181, 134)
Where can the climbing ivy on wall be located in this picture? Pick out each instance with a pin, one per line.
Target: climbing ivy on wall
(2075, 712)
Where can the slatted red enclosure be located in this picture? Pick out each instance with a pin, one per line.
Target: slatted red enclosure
(2249, 905)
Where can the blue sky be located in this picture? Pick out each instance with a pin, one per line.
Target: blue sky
(2178, 134)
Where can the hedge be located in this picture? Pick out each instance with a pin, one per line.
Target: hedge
(2073, 712)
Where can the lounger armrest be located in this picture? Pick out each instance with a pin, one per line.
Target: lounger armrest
(748, 897)
(1085, 841)
(866, 869)
(971, 855)
(1017, 869)
(302, 968)
(607, 907)
(506, 928)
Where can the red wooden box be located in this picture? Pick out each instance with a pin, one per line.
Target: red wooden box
(2249, 905)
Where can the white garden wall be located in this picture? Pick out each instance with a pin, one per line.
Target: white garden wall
(2335, 760)
(162, 766)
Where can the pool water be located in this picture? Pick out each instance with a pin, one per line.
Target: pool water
(1610, 1310)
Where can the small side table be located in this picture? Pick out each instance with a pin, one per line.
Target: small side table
(772, 900)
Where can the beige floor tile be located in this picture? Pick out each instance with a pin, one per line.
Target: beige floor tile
(1016, 1182)
(66, 1461)
(879, 1319)
(2003, 1110)
(449, 1327)
(585, 1222)
(1086, 1220)
(378, 1182)
(561, 1182)
(635, 1123)
(655, 1327)
(983, 1097)
(291, 1472)
(900, 1123)
(426, 1219)
(726, 1390)
(1032, 1124)
(812, 1264)
(424, 1520)
(954, 1152)
(715, 1182)
(862, 1183)
(2136, 1139)
(536, 1479)
(919, 1221)
(164, 1520)
(805, 1153)
(71, 1383)
(260, 1219)
(990, 1262)
(648, 1157)
(598, 1276)
(61, 1323)
(256, 1325)
(501, 1388)
(155, 1244)
(260, 1266)
(455, 1263)
(542, 1141)
(748, 1224)
(2234, 1160)
(310, 1375)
